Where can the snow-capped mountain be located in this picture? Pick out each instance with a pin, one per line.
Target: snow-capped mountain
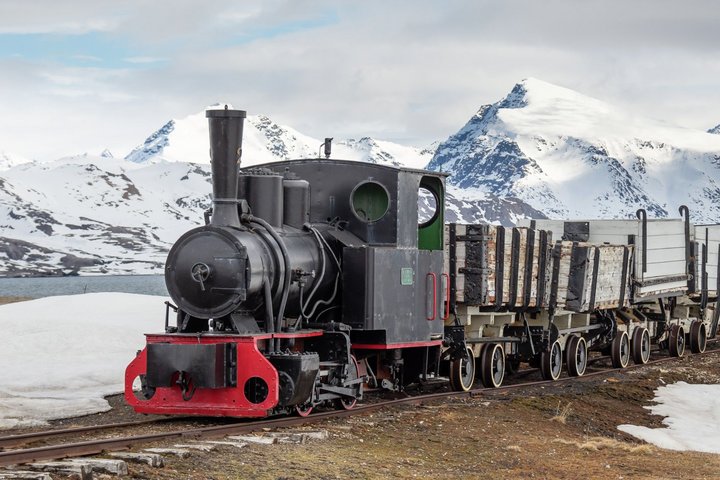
(541, 151)
(569, 155)
(715, 130)
(264, 141)
(96, 214)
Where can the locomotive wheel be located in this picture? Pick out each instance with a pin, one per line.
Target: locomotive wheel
(698, 337)
(353, 372)
(641, 346)
(492, 365)
(303, 410)
(676, 342)
(576, 356)
(551, 362)
(462, 372)
(620, 350)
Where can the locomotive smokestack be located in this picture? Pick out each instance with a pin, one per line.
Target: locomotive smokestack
(226, 131)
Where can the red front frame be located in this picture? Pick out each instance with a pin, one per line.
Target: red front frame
(228, 401)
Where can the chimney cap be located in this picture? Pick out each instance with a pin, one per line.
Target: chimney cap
(225, 113)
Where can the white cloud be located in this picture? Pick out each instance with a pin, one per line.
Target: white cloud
(406, 72)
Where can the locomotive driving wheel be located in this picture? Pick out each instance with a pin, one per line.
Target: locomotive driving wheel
(676, 341)
(641, 346)
(551, 362)
(492, 365)
(576, 356)
(304, 410)
(698, 336)
(620, 350)
(462, 371)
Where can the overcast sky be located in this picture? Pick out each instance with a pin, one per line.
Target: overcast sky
(81, 75)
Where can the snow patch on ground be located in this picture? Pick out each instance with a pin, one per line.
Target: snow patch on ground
(61, 355)
(692, 417)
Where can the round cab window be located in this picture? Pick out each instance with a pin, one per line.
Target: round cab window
(427, 207)
(369, 201)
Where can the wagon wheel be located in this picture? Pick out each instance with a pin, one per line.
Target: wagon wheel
(462, 371)
(576, 356)
(492, 365)
(676, 342)
(304, 410)
(620, 350)
(698, 336)
(347, 403)
(551, 362)
(641, 346)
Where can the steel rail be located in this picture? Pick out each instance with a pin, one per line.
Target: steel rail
(23, 438)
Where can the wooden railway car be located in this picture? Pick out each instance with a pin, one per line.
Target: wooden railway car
(549, 291)
(670, 274)
(516, 297)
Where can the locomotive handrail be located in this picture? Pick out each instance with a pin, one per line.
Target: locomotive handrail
(434, 296)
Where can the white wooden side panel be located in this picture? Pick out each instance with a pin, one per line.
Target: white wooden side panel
(522, 260)
(535, 271)
(492, 262)
(665, 256)
(712, 232)
(563, 273)
(641, 292)
(507, 264)
(610, 277)
(587, 281)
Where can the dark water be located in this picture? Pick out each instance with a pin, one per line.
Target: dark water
(49, 286)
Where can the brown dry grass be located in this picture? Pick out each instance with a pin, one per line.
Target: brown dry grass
(4, 300)
(595, 444)
(561, 415)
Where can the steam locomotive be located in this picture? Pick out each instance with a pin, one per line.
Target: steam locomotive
(315, 279)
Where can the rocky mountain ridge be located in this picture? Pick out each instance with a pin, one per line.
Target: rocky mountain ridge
(541, 151)
(572, 156)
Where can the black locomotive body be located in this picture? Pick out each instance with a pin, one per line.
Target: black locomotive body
(309, 279)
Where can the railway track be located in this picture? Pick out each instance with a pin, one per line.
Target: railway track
(99, 446)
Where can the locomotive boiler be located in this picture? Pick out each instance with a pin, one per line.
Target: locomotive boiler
(306, 282)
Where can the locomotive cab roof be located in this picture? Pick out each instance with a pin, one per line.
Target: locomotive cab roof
(340, 162)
